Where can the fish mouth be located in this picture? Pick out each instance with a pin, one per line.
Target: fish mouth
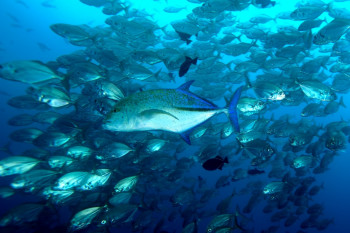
(106, 124)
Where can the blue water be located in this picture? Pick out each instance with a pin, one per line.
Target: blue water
(22, 28)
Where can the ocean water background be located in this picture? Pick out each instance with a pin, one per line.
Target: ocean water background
(23, 27)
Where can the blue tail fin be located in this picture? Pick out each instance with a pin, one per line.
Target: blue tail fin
(232, 109)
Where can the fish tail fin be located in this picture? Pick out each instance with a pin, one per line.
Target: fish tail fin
(247, 81)
(253, 43)
(194, 61)
(66, 84)
(6, 148)
(322, 185)
(329, 6)
(157, 73)
(232, 109)
(126, 9)
(225, 160)
(237, 214)
(234, 192)
(341, 102)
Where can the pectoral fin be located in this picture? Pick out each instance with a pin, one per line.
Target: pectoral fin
(154, 112)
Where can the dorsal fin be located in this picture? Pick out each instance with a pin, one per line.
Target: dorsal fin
(203, 104)
(186, 86)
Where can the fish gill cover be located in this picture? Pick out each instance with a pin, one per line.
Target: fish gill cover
(174, 116)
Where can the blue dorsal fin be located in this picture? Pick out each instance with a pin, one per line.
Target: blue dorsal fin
(202, 104)
(186, 86)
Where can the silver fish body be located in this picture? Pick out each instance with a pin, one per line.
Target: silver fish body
(174, 110)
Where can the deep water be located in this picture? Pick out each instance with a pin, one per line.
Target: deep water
(26, 35)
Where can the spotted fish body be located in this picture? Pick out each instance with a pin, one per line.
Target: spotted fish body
(175, 110)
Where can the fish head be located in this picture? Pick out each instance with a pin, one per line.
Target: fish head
(59, 28)
(279, 95)
(298, 163)
(119, 119)
(259, 105)
(336, 142)
(8, 69)
(266, 190)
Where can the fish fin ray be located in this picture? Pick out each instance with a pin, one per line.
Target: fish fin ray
(232, 109)
(204, 104)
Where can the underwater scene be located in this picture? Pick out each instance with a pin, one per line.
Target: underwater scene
(175, 116)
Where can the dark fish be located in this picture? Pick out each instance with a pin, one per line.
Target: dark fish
(184, 36)
(13, 18)
(186, 65)
(4, 93)
(255, 172)
(264, 3)
(47, 4)
(43, 47)
(22, 3)
(215, 163)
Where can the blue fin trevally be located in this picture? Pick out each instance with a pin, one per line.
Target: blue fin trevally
(175, 110)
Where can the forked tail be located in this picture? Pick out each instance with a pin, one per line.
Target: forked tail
(232, 109)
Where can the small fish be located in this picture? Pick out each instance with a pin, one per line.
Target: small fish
(332, 31)
(263, 3)
(20, 2)
(316, 90)
(32, 72)
(185, 66)
(255, 172)
(48, 4)
(184, 36)
(43, 47)
(215, 163)
(126, 184)
(173, 9)
(83, 218)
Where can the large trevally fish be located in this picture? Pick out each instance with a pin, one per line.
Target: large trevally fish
(175, 110)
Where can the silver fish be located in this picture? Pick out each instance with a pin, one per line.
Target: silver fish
(175, 110)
